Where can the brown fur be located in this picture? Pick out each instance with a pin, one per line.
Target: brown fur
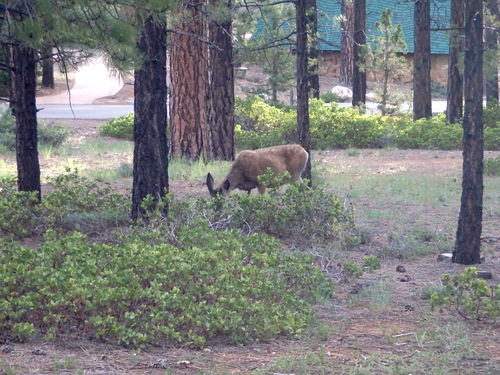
(251, 164)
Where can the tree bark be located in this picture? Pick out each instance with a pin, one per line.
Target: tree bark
(347, 42)
(150, 175)
(422, 98)
(491, 42)
(302, 20)
(468, 241)
(48, 69)
(22, 83)
(313, 52)
(190, 133)
(454, 100)
(221, 117)
(359, 75)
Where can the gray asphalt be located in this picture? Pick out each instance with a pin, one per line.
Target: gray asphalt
(82, 111)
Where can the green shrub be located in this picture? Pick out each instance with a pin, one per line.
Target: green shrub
(72, 203)
(76, 203)
(121, 127)
(18, 211)
(51, 134)
(48, 133)
(329, 97)
(213, 285)
(470, 296)
(7, 130)
(299, 215)
(492, 166)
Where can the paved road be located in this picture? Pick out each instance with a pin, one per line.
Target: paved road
(82, 111)
(92, 81)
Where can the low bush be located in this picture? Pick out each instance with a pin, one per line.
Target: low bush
(492, 166)
(213, 285)
(72, 203)
(299, 216)
(48, 133)
(121, 127)
(470, 296)
(331, 126)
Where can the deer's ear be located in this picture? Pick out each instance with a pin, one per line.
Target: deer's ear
(210, 182)
(226, 185)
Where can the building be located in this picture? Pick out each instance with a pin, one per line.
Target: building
(329, 12)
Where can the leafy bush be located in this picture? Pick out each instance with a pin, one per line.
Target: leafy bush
(7, 130)
(52, 134)
(18, 210)
(331, 126)
(299, 215)
(76, 203)
(121, 127)
(492, 166)
(471, 297)
(72, 203)
(212, 285)
(48, 133)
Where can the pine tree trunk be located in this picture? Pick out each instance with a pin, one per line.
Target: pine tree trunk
(468, 241)
(347, 42)
(422, 98)
(190, 133)
(150, 176)
(313, 53)
(454, 108)
(22, 83)
(303, 80)
(222, 89)
(48, 69)
(359, 76)
(491, 42)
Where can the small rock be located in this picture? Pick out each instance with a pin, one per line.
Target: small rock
(38, 351)
(400, 269)
(446, 257)
(161, 363)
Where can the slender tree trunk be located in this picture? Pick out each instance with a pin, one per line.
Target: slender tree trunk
(221, 117)
(313, 53)
(347, 42)
(468, 241)
(422, 98)
(302, 19)
(190, 133)
(491, 63)
(150, 120)
(359, 76)
(48, 69)
(455, 76)
(22, 83)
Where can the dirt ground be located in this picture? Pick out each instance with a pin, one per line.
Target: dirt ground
(356, 332)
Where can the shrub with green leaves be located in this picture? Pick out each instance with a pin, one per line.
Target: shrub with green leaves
(299, 215)
(470, 296)
(77, 203)
(48, 133)
(212, 285)
(18, 210)
(492, 166)
(121, 127)
(331, 126)
(72, 203)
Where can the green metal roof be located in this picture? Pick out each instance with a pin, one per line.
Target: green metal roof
(402, 13)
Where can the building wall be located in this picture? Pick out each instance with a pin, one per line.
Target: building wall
(329, 65)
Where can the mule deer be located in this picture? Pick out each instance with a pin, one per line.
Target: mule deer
(249, 165)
